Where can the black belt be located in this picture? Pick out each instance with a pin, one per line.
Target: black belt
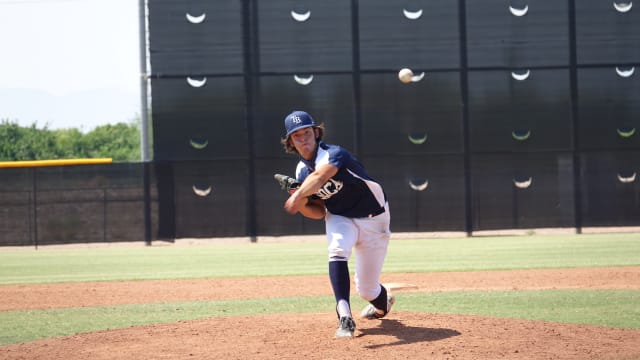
(377, 212)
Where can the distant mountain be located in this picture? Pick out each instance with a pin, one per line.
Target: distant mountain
(83, 110)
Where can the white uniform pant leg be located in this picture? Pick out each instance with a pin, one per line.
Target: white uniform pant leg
(342, 235)
(370, 252)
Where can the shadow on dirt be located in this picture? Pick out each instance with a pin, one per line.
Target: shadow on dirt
(406, 334)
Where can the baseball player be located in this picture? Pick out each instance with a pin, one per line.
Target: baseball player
(336, 187)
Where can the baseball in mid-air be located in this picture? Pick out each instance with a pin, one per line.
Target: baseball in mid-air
(405, 75)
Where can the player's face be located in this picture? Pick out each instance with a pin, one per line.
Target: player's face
(304, 140)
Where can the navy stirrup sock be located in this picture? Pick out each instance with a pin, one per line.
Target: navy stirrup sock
(340, 281)
(381, 301)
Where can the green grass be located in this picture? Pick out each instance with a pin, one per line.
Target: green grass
(28, 325)
(160, 262)
(515, 252)
(615, 308)
(24, 266)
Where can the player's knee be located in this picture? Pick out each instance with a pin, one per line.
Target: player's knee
(339, 254)
(369, 291)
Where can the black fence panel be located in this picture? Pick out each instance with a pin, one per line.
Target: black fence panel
(517, 33)
(17, 203)
(607, 32)
(194, 37)
(608, 108)
(77, 204)
(423, 117)
(422, 35)
(521, 191)
(304, 36)
(524, 111)
(198, 120)
(210, 198)
(611, 188)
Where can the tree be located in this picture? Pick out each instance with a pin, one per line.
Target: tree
(71, 143)
(26, 143)
(121, 142)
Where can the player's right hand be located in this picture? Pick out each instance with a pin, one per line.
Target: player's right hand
(294, 203)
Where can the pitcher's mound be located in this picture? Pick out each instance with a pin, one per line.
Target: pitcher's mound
(403, 335)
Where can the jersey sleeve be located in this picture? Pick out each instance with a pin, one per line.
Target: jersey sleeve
(334, 155)
(301, 172)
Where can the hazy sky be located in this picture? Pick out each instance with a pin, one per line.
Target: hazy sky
(63, 59)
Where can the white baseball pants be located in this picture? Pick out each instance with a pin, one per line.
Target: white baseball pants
(368, 239)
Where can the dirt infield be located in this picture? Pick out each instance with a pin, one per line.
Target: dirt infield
(402, 335)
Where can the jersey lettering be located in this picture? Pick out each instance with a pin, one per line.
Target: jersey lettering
(329, 189)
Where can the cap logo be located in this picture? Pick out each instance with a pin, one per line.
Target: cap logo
(297, 120)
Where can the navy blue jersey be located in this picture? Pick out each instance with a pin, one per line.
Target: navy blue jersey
(351, 192)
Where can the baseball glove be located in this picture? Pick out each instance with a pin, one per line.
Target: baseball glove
(287, 183)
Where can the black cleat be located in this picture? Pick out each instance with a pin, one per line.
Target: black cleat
(346, 327)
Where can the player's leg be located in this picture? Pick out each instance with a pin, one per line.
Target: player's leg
(371, 250)
(341, 236)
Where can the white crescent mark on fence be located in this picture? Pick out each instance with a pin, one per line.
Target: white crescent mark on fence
(301, 17)
(523, 184)
(416, 78)
(518, 135)
(519, 12)
(196, 19)
(418, 138)
(412, 15)
(627, 132)
(418, 185)
(622, 7)
(196, 83)
(627, 179)
(520, 76)
(201, 192)
(303, 80)
(625, 73)
(198, 144)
